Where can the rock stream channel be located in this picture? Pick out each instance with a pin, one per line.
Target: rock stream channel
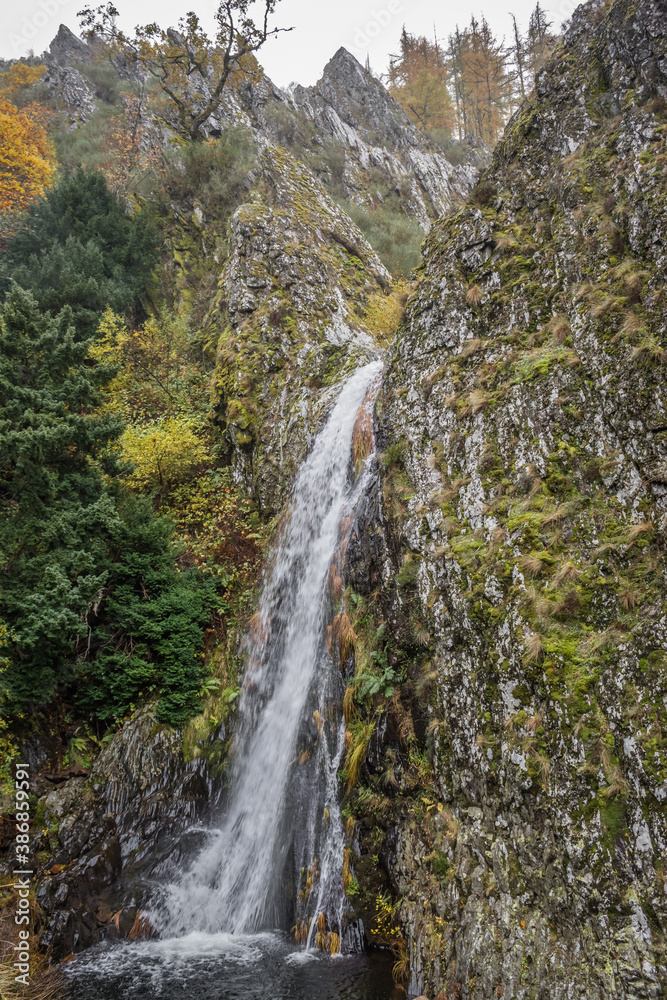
(221, 920)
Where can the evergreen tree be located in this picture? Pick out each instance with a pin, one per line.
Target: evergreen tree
(79, 247)
(89, 593)
(146, 630)
(55, 515)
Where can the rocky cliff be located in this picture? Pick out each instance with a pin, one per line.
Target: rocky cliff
(521, 531)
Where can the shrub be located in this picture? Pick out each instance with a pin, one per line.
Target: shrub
(165, 452)
(395, 238)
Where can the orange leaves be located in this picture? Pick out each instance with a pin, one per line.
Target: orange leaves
(129, 154)
(27, 160)
(419, 83)
(17, 81)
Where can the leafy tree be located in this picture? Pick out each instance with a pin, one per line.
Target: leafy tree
(27, 160)
(17, 82)
(79, 247)
(131, 159)
(164, 453)
(418, 81)
(191, 69)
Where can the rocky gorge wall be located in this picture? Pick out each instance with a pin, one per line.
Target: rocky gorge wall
(519, 539)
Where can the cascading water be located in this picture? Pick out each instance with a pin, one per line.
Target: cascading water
(282, 816)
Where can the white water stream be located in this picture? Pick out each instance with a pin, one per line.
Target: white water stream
(283, 802)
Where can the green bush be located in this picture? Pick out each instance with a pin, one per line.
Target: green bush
(395, 238)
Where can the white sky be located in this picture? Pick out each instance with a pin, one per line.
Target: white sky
(362, 26)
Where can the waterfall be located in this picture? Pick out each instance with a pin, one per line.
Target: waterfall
(282, 820)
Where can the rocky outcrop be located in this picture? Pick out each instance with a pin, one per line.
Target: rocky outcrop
(71, 91)
(352, 108)
(524, 512)
(347, 128)
(302, 302)
(106, 837)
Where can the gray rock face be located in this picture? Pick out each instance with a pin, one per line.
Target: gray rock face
(525, 405)
(67, 48)
(105, 835)
(295, 313)
(353, 108)
(67, 84)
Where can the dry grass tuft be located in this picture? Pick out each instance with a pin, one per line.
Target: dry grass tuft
(531, 565)
(636, 531)
(474, 295)
(47, 982)
(349, 711)
(567, 573)
(472, 347)
(357, 752)
(533, 647)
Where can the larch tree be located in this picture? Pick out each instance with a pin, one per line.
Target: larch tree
(482, 82)
(418, 80)
(191, 69)
(539, 42)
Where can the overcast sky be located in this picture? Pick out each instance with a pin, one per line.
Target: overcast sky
(363, 26)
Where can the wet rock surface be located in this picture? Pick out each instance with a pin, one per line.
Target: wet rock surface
(104, 839)
(524, 409)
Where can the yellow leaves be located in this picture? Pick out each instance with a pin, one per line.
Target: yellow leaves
(18, 79)
(112, 337)
(165, 453)
(27, 159)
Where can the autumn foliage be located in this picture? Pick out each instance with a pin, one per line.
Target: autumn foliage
(418, 81)
(27, 160)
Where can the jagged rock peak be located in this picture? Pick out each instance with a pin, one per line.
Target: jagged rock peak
(67, 48)
(343, 62)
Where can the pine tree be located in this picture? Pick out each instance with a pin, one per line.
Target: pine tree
(79, 247)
